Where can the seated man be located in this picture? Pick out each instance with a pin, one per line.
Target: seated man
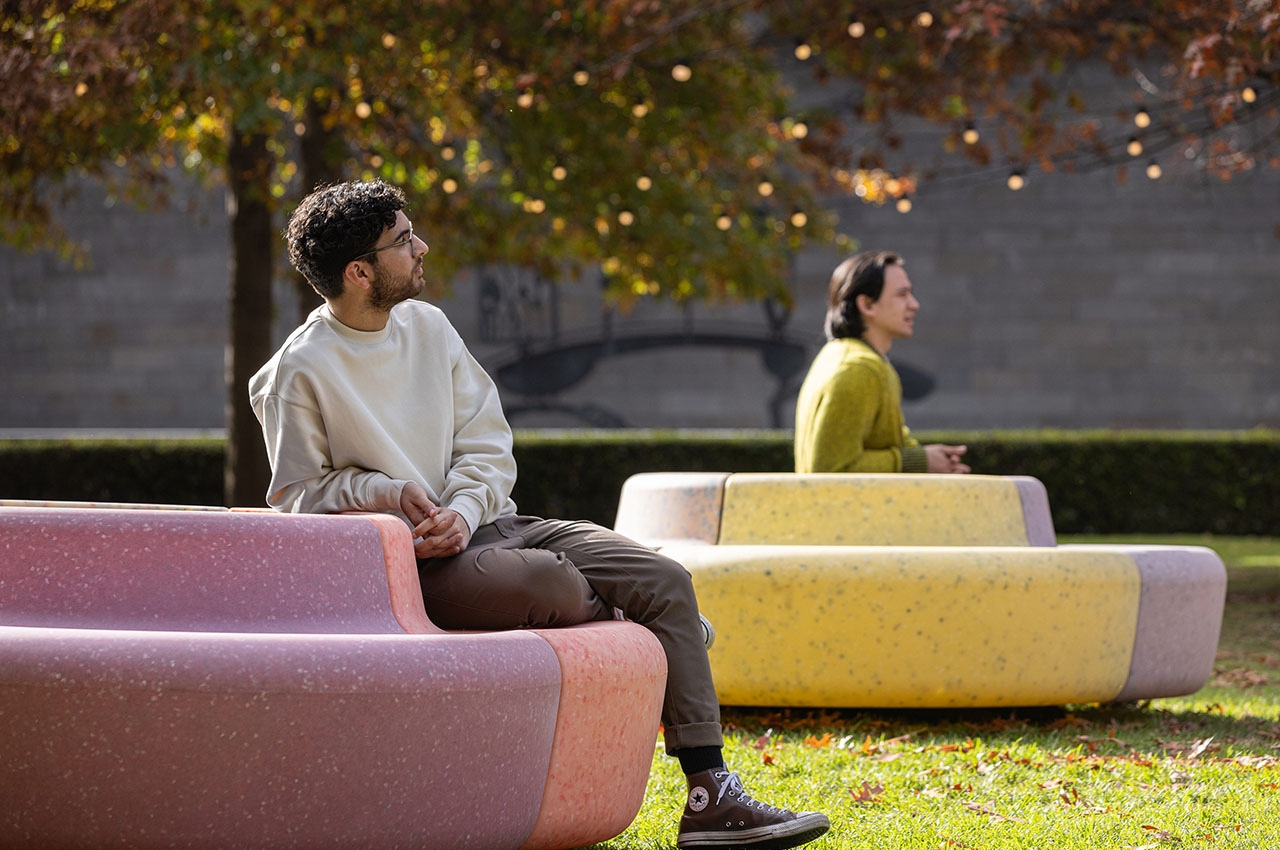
(849, 412)
(375, 404)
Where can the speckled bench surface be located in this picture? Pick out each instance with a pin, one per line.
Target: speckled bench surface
(923, 591)
(213, 678)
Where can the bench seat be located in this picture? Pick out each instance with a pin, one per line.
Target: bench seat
(223, 678)
(923, 591)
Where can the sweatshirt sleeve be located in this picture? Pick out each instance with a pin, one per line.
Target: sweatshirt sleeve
(303, 479)
(482, 468)
(843, 421)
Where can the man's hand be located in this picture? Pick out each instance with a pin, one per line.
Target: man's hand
(943, 458)
(437, 532)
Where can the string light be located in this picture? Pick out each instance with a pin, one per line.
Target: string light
(681, 72)
(559, 172)
(640, 109)
(626, 218)
(924, 19)
(724, 222)
(799, 130)
(581, 77)
(643, 183)
(1249, 95)
(803, 50)
(970, 135)
(904, 204)
(449, 185)
(1135, 146)
(1153, 170)
(1016, 180)
(447, 152)
(525, 100)
(765, 188)
(857, 29)
(799, 219)
(1142, 118)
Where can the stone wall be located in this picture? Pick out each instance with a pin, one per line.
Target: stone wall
(1079, 301)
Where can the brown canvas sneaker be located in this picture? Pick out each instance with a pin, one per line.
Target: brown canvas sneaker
(719, 814)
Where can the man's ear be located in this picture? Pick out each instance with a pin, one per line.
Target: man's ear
(358, 275)
(865, 303)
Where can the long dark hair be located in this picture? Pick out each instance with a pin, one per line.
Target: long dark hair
(861, 274)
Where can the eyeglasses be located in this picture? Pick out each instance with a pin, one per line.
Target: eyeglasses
(404, 240)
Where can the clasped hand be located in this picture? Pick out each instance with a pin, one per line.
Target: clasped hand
(437, 532)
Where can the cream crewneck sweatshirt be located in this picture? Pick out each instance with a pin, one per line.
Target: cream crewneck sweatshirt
(351, 416)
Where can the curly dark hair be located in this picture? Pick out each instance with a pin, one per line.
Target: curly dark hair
(861, 274)
(337, 224)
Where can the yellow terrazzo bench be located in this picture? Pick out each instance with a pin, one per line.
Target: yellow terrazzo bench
(923, 591)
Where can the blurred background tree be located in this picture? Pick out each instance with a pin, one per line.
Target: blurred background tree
(676, 146)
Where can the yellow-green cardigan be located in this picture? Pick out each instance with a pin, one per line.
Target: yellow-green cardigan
(849, 414)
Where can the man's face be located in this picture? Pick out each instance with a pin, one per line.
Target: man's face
(398, 270)
(893, 313)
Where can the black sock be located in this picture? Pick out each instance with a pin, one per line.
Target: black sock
(697, 759)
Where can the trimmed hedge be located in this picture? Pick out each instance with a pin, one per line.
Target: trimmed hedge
(1099, 482)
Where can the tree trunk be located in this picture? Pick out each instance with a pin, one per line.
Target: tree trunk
(320, 151)
(247, 472)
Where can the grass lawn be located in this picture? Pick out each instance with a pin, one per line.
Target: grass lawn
(1187, 772)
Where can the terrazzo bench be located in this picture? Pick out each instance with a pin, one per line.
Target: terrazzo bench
(929, 591)
(216, 679)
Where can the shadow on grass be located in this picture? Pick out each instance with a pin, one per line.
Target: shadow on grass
(1163, 728)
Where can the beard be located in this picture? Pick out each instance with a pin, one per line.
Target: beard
(388, 290)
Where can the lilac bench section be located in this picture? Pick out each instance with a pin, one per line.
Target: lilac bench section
(218, 679)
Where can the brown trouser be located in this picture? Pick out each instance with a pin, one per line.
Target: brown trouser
(525, 572)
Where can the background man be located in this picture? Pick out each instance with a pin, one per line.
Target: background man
(849, 412)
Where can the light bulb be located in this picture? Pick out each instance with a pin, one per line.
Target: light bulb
(803, 50)
(1249, 95)
(799, 219)
(724, 222)
(559, 172)
(1153, 170)
(643, 183)
(581, 77)
(1142, 118)
(626, 218)
(1134, 147)
(904, 205)
(924, 19)
(681, 72)
(970, 135)
(857, 29)
(765, 188)
(1016, 181)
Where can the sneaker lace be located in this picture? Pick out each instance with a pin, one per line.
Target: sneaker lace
(733, 783)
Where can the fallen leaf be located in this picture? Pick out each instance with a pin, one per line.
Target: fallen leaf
(867, 793)
(988, 809)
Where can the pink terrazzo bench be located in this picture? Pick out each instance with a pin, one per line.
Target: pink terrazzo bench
(246, 679)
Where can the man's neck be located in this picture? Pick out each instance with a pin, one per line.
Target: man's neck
(358, 316)
(878, 339)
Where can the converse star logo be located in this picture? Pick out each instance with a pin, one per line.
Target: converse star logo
(698, 798)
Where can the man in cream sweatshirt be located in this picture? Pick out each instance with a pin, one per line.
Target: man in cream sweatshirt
(375, 404)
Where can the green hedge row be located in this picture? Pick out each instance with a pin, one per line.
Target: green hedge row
(1099, 482)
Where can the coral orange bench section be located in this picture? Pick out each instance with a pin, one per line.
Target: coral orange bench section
(923, 591)
(220, 678)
